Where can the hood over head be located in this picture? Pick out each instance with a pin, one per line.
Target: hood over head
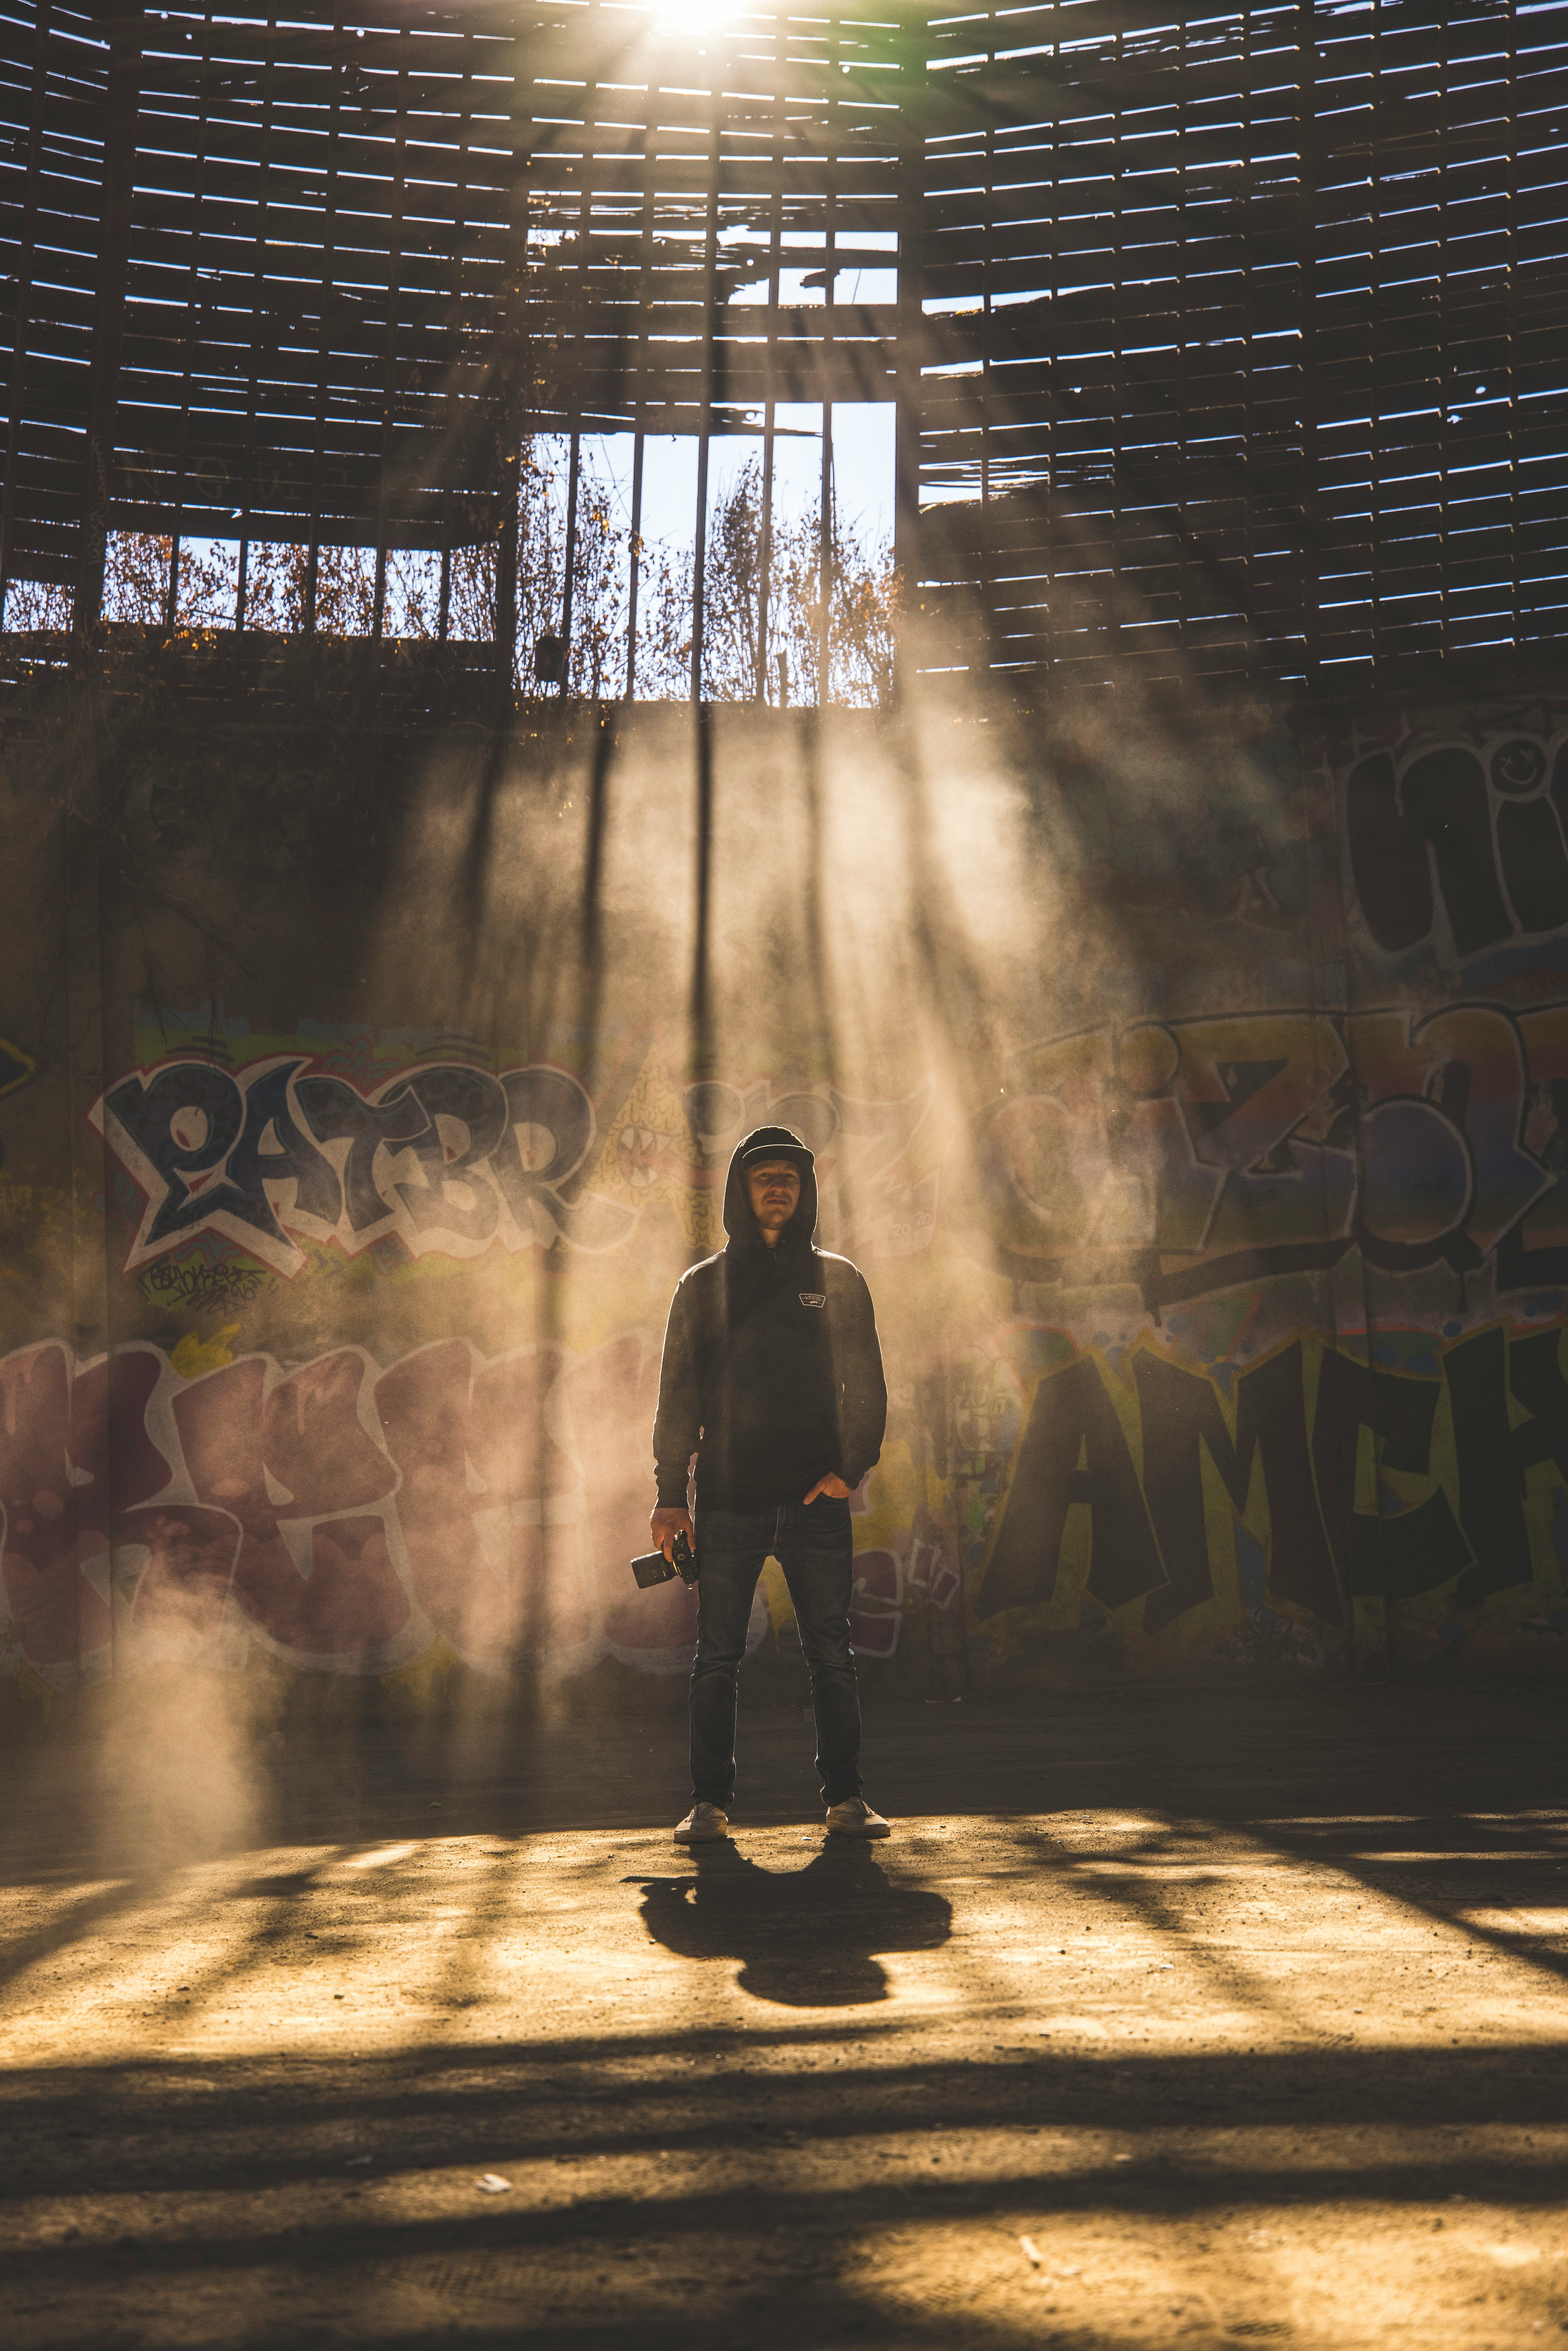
(740, 1223)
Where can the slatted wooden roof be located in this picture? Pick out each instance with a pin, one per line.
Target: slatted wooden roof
(53, 105)
(687, 185)
(317, 214)
(1256, 357)
(1222, 342)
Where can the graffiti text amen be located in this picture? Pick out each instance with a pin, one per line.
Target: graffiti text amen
(1462, 1518)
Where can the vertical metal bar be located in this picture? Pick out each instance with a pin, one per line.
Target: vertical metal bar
(506, 592)
(769, 411)
(569, 580)
(825, 564)
(444, 620)
(704, 420)
(379, 595)
(172, 583)
(122, 116)
(242, 585)
(634, 562)
(765, 546)
(830, 290)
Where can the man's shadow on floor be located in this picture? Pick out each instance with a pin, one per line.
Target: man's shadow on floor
(806, 1938)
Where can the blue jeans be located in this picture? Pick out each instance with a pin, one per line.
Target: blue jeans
(814, 1546)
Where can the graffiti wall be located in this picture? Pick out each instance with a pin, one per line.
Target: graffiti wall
(447, 1159)
(345, 1518)
(1290, 1384)
(1211, 1179)
(196, 1502)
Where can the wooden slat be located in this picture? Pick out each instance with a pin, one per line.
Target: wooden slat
(1219, 291)
(1283, 359)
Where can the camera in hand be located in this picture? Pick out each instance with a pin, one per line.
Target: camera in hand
(655, 1568)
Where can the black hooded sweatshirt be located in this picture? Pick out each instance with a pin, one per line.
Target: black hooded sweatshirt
(772, 1373)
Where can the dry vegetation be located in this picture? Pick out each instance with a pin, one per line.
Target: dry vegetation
(736, 665)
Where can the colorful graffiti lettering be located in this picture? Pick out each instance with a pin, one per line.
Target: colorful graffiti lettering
(1145, 1488)
(444, 1157)
(1191, 1154)
(341, 1515)
(449, 1159)
(344, 1516)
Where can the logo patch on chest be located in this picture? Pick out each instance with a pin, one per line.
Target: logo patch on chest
(812, 1298)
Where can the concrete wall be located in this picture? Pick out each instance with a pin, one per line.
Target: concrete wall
(1194, 1092)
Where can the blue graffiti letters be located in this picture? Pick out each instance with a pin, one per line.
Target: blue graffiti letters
(447, 1159)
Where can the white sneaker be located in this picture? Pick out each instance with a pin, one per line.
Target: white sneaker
(855, 1817)
(704, 1824)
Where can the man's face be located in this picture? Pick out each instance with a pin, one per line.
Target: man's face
(775, 1188)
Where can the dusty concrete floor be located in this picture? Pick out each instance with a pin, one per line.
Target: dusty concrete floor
(1189, 2019)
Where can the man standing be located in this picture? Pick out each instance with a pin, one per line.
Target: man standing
(773, 1377)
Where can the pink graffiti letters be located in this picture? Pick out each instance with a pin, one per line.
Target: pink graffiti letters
(341, 1514)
